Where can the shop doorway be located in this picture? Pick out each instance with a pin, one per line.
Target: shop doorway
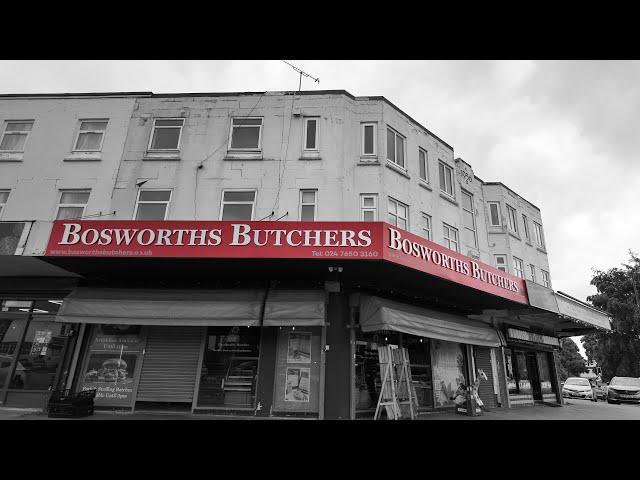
(534, 376)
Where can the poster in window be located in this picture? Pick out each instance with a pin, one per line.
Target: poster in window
(298, 385)
(448, 370)
(299, 347)
(41, 340)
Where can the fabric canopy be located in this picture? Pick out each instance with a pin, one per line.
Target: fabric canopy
(381, 314)
(294, 307)
(162, 307)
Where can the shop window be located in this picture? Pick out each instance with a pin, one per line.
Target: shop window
(39, 357)
(238, 205)
(90, 136)
(524, 385)
(152, 204)
(512, 383)
(72, 204)
(246, 134)
(449, 370)
(369, 207)
(10, 333)
(166, 134)
(546, 385)
(4, 195)
(15, 136)
(419, 352)
(229, 368)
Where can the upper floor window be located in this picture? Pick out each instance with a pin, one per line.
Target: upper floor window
(90, 136)
(308, 205)
(152, 205)
(15, 136)
(494, 214)
(513, 219)
(518, 267)
(501, 262)
(246, 133)
(395, 147)
(450, 236)
(426, 226)
(369, 138)
(238, 204)
(546, 280)
(525, 222)
(166, 134)
(311, 128)
(398, 214)
(423, 165)
(468, 220)
(72, 204)
(532, 272)
(537, 229)
(4, 195)
(369, 207)
(446, 178)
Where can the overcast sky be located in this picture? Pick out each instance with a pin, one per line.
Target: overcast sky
(565, 135)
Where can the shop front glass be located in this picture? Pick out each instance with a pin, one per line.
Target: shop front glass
(420, 363)
(229, 368)
(517, 374)
(10, 334)
(546, 385)
(449, 370)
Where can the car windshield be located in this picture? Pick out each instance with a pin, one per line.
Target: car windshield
(577, 381)
(630, 381)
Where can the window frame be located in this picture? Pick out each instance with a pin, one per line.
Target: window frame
(505, 263)
(16, 132)
(429, 222)
(145, 202)
(519, 272)
(532, 271)
(153, 129)
(80, 131)
(315, 203)
(546, 278)
(259, 147)
(446, 227)
(374, 126)
(539, 234)
(525, 222)
(373, 209)
(253, 208)
(395, 149)
(512, 219)
(425, 179)
(317, 137)
(446, 166)
(75, 205)
(491, 224)
(393, 200)
(3, 203)
(464, 192)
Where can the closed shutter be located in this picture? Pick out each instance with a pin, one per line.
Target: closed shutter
(170, 364)
(485, 390)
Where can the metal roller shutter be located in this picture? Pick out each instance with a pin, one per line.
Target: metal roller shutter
(485, 390)
(170, 364)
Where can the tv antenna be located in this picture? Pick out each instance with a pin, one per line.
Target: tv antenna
(301, 72)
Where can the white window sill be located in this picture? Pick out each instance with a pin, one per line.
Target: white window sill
(243, 155)
(369, 158)
(11, 156)
(448, 198)
(83, 156)
(162, 155)
(397, 169)
(425, 185)
(514, 235)
(310, 155)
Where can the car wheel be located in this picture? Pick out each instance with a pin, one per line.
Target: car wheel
(611, 401)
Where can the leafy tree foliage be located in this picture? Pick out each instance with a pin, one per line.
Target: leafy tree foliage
(618, 351)
(571, 363)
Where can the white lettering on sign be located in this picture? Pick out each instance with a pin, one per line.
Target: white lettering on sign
(464, 267)
(532, 337)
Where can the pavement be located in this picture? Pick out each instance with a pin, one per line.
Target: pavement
(572, 410)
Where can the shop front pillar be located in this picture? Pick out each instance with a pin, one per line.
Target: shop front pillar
(337, 389)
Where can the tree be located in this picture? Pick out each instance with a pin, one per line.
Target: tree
(571, 362)
(617, 352)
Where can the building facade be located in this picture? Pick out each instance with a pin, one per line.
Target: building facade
(247, 254)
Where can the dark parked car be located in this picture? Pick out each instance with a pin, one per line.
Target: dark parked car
(623, 389)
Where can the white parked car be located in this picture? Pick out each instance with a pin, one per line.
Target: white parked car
(577, 387)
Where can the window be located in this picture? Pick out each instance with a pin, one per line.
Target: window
(246, 134)
(513, 219)
(4, 195)
(537, 229)
(308, 205)
(532, 272)
(369, 138)
(166, 134)
(369, 207)
(90, 135)
(423, 165)
(468, 220)
(546, 281)
(426, 226)
(501, 262)
(518, 267)
(494, 214)
(311, 134)
(450, 237)
(72, 204)
(525, 221)
(15, 136)
(398, 214)
(395, 147)
(152, 205)
(446, 178)
(238, 204)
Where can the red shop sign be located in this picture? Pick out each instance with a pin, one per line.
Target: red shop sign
(267, 239)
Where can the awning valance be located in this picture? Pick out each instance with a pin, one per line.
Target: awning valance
(378, 313)
(294, 308)
(162, 307)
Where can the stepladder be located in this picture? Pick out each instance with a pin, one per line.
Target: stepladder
(396, 394)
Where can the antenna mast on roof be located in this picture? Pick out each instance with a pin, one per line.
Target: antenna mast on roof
(317, 80)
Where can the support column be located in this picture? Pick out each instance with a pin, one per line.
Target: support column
(338, 359)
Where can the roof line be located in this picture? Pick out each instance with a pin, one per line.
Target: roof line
(97, 94)
(514, 192)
